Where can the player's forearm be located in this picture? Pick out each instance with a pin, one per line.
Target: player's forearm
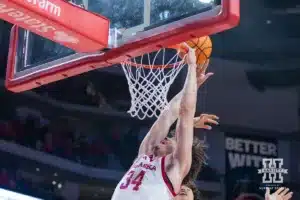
(188, 96)
(160, 128)
(171, 113)
(187, 107)
(184, 128)
(189, 93)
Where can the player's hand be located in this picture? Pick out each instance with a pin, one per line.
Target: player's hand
(190, 59)
(280, 194)
(205, 121)
(202, 76)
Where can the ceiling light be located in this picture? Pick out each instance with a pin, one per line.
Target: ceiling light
(269, 22)
(206, 1)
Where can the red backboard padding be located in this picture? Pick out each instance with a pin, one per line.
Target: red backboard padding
(59, 21)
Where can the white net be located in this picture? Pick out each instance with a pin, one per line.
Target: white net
(149, 78)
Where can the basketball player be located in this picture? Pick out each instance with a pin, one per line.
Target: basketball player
(162, 163)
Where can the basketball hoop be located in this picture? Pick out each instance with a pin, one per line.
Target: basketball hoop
(149, 79)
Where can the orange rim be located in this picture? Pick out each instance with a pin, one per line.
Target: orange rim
(178, 47)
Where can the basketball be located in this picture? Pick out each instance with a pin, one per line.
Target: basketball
(203, 46)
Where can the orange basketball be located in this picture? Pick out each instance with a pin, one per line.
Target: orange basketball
(203, 46)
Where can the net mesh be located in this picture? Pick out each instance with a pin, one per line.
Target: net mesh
(149, 79)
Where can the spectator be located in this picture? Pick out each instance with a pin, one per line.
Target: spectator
(102, 101)
(97, 97)
(12, 184)
(85, 146)
(68, 150)
(4, 179)
(30, 128)
(39, 145)
(90, 89)
(48, 143)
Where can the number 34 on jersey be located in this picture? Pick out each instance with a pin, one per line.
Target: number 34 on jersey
(134, 178)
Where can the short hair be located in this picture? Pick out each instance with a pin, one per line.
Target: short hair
(198, 158)
(193, 187)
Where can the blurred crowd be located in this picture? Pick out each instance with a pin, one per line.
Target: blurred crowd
(87, 91)
(8, 179)
(98, 145)
(11, 179)
(105, 143)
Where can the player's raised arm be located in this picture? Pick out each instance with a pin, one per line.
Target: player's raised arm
(182, 156)
(161, 127)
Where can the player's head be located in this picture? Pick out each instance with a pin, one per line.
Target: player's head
(188, 191)
(169, 144)
(165, 147)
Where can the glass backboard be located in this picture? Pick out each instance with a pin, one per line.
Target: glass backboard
(136, 27)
